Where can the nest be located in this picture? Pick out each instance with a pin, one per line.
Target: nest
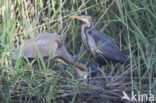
(101, 89)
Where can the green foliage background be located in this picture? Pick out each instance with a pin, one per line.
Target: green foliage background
(131, 24)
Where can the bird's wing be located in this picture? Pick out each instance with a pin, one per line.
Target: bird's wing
(43, 43)
(106, 47)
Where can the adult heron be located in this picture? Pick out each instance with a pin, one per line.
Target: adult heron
(101, 46)
(48, 46)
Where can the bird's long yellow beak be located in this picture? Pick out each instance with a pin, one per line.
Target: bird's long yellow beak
(78, 17)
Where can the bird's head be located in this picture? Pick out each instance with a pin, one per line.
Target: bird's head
(85, 18)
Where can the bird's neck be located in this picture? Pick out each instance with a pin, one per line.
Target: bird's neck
(86, 31)
(65, 58)
(88, 27)
(71, 61)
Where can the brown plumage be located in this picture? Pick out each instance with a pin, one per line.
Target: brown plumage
(101, 46)
(49, 46)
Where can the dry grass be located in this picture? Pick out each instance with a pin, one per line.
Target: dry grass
(130, 24)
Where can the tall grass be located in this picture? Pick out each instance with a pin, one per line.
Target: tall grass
(131, 24)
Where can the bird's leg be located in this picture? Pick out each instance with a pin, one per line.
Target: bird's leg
(102, 68)
(112, 65)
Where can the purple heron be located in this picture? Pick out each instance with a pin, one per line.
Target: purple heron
(48, 45)
(101, 46)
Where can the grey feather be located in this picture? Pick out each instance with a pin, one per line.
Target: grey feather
(43, 42)
(108, 48)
